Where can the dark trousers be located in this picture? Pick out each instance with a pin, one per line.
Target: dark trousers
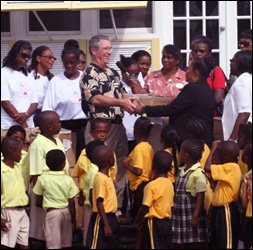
(224, 226)
(158, 233)
(96, 238)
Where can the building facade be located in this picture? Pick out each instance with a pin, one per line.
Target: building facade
(131, 29)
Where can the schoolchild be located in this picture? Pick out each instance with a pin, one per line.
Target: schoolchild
(189, 219)
(157, 204)
(14, 200)
(139, 167)
(104, 228)
(55, 192)
(224, 211)
(49, 125)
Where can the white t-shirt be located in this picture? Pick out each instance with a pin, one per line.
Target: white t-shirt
(40, 85)
(128, 119)
(18, 89)
(64, 97)
(238, 100)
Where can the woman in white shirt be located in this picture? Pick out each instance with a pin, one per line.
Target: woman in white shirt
(42, 61)
(238, 102)
(64, 97)
(18, 98)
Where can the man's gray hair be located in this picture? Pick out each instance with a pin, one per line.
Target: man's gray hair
(93, 43)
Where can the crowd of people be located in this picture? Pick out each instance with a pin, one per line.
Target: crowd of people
(168, 176)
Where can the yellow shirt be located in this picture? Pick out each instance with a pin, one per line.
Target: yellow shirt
(56, 188)
(197, 182)
(171, 173)
(141, 157)
(12, 187)
(24, 166)
(37, 154)
(103, 187)
(205, 154)
(228, 176)
(88, 180)
(243, 166)
(158, 196)
(82, 166)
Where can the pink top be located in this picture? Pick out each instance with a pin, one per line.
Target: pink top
(156, 84)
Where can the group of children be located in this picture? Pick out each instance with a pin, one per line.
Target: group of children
(184, 196)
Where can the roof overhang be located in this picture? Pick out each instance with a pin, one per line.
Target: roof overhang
(69, 5)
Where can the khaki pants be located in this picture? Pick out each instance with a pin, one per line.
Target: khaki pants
(18, 227)
(58, 228)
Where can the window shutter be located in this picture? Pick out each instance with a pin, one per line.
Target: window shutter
(127, 49)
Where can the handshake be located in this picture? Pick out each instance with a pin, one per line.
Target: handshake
(132, 105)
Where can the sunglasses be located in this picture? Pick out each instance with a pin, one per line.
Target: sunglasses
(50, 57)
(25, 56)
(244, 43)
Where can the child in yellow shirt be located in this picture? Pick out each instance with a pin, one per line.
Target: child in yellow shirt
(18, 132)
(55, 192)
(139, 166)
(157, 204)
(14, 200)
(99, 130)
(189, 219)
(50, 126)
(104, 228)
(224, 216)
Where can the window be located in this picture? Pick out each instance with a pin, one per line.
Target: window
(127, 18)
(191, 18)
(55, 21)
(244, 14)
(5, 21)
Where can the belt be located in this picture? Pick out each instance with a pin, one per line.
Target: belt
(20, 207)
(53, 208)
(116, 120)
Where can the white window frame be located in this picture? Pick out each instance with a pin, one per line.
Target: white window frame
(131, 32)
(43, 33)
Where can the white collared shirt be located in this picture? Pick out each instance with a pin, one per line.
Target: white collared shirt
(238, 100)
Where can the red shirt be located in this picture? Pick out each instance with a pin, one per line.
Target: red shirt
(216, 79)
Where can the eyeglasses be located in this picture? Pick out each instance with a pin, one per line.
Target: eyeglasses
(50, 57)
(244, 43)
(107, 49)
(25, 56)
